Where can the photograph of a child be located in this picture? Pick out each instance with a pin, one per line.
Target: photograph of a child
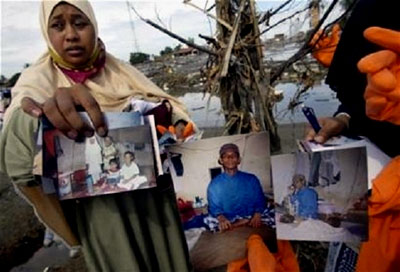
(124, 160)
(224, 195)
(321, 196)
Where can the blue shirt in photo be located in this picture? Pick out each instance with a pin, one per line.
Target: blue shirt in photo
(237, 195)
(306, 202)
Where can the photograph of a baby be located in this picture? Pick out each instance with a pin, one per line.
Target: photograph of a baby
(321, 196)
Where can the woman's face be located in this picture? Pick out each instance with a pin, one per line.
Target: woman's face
(71, 34)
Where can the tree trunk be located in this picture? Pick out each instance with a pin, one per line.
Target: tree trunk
(241, 83)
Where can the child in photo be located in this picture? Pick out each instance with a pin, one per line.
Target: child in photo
(109, 152)
(113, 173)
(130, 178)
(129, 169)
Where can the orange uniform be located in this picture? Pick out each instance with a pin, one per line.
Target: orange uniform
(260, 259)
(382, 251)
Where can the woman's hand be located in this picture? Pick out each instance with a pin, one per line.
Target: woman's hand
(330, 126)
(61, 112)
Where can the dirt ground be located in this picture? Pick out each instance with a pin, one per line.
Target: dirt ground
(21, 233)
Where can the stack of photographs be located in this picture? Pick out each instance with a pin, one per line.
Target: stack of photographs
(227, 188)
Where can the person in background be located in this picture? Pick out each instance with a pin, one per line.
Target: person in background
(304, 199)
(349, 83)
(372, 27)
(109, 152)
(93, 158)
(144, 233)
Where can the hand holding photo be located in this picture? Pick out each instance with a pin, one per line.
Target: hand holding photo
(126, 159)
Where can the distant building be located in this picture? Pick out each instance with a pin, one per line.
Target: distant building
(277, 41)
(298, 37)
(186, 52)
(279, 37)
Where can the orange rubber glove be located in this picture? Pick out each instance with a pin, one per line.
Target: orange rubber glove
(188, 131)
(325, 47)
(260, 259)
(382, 251)
(382, 94)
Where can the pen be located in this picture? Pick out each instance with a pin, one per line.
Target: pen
(312, 119)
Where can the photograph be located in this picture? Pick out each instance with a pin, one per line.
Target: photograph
(321, 196)
(224, 195)
(124, 160)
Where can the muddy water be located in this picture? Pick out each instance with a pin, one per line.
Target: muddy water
(206, 112)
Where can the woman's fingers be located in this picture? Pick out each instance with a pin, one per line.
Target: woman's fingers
(53, 113)
(62, 113)
(66, 105)
(85, 99)
(31, 107)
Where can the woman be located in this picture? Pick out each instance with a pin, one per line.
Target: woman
(143, 231)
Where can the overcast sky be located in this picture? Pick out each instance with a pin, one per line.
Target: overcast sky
(22, 42)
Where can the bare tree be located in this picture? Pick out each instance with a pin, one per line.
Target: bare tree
(235, 70)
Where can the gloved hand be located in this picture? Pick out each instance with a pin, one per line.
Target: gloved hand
(324, 47)
(382, 94)
(180, 133)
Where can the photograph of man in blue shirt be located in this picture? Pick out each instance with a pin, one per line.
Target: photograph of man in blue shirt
(304, 199)
(235, 197)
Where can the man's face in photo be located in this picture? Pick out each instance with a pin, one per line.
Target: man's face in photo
(298, 183)
(230, 160)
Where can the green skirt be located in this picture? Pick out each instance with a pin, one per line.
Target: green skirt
(135, 231)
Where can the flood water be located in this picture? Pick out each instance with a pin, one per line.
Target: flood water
(320, 98)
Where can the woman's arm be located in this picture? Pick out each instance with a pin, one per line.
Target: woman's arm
(18, 147)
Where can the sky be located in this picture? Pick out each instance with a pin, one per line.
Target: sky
(119, 27)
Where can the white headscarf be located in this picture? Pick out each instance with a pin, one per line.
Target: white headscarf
(113, 87)
(46, 10)
(47, 6)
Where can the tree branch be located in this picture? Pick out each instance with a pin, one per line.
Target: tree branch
(222, 22)
(280, 7)
(232, 39)
(306, 48)
(175, 36)
(284, 19)
(210, 40)
(267, 15)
